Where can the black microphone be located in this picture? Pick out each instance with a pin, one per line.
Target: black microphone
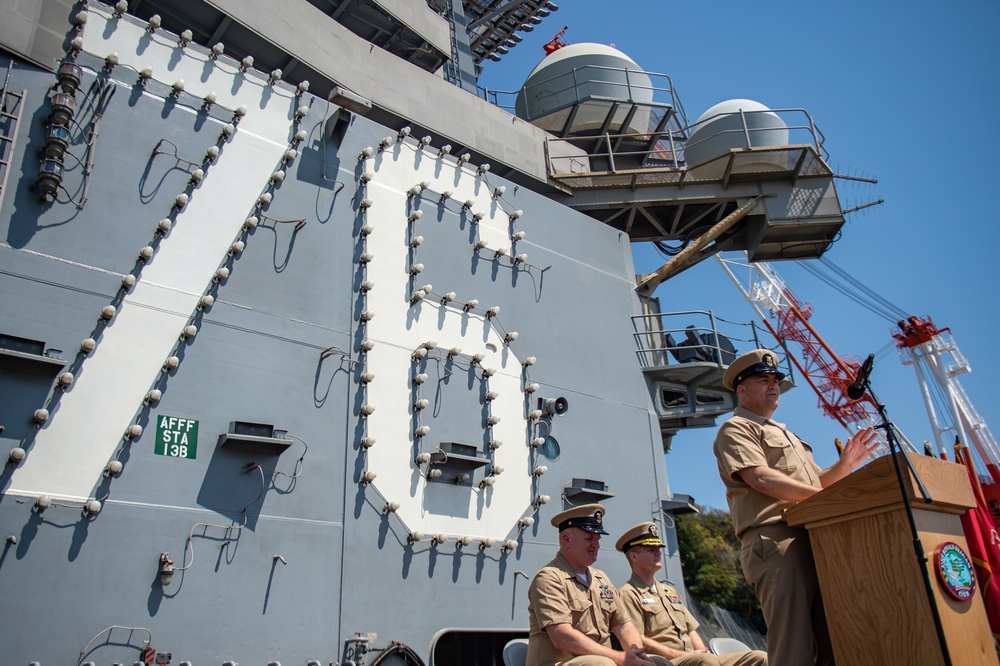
(856, 389)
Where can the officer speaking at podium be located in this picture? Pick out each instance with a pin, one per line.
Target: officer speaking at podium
(766, 470)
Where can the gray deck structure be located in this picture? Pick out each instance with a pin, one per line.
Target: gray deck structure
(279, 378)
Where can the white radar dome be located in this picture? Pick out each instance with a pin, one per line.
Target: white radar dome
(594, 74)
(721, 129)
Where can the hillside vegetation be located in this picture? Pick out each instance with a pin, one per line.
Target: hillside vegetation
(710, 555)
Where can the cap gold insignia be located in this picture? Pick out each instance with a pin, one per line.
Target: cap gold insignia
(597, 517)
(768, 360)
(652, 531)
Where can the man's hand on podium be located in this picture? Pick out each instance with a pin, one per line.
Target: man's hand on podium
(859, 447)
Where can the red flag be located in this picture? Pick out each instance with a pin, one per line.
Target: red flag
(984, 544)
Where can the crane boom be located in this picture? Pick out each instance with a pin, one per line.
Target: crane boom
(823, 369)
(931, 351)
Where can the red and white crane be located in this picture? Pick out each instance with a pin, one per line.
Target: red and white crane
(931, 351)
(936, 359)
(823, 369)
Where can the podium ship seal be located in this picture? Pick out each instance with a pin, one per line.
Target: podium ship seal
(954, 569)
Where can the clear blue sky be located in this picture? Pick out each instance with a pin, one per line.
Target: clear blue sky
(905, 92)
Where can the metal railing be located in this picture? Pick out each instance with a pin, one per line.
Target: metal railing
(633, 89)
(797, 122)
(709, 339)
(669, 151)
(503, 99)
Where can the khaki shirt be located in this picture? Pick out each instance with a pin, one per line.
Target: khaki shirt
(557, 596)
(749, 440)
(659, 614)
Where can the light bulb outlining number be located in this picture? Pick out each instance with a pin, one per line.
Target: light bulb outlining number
(446, 319)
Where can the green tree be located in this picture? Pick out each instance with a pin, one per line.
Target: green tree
(710, 556)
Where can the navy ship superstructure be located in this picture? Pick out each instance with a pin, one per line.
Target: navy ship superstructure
(304, 341)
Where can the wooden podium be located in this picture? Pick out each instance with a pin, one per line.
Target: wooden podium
(873, 589)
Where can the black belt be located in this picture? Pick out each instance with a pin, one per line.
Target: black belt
(771, 527)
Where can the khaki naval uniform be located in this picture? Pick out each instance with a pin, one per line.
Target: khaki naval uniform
(777, 559)
(557, 595)
(661, 616)
(658, 613)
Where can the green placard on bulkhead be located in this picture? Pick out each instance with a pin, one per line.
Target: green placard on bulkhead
(176, 437)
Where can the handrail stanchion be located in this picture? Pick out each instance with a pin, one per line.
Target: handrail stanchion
(746, 130)
(715, 334)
